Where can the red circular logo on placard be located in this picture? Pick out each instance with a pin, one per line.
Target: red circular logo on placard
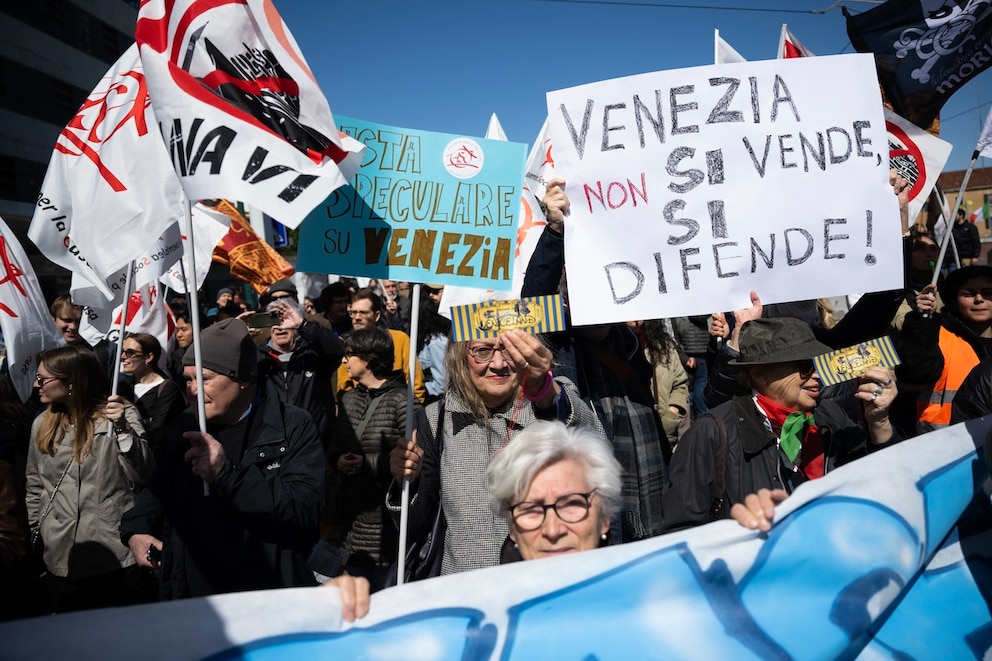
(913, 167)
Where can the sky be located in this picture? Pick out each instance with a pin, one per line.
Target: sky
(448, 66)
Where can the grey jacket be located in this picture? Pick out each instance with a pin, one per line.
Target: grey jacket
(80, 532)
(457, 474)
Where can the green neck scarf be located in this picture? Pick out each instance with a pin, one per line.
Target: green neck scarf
(793, 431)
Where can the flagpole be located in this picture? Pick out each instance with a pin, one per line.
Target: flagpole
(120, 336)
(194, 319)
(410, 397)
(947, 238)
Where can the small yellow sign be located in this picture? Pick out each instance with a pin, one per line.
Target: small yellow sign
(538, 314)
(851, 362)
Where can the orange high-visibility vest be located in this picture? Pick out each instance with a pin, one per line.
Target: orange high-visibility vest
(933, 408)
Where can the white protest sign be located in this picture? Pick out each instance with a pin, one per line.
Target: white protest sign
(689, 188)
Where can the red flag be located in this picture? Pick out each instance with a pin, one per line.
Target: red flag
(789, 46)
(249, 257)
(240, 110)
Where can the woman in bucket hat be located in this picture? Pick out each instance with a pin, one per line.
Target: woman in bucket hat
(777, 436)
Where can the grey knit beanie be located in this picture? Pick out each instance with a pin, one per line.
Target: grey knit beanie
(227, 349)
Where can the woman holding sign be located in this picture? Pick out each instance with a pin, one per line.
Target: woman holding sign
(779, 433)
(496, 387)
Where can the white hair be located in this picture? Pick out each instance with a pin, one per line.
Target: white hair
(544, 443)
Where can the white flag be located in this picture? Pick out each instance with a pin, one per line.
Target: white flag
(984, 146)
(495, 130)
(789, 46)
(209, 227)
(917, 156)
(109, 184)
(150, 264)
(25, 320)
(239, 109)
(146, 313)
(724, 53)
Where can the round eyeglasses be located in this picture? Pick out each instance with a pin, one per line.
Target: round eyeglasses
(530, 515)
(484, 354)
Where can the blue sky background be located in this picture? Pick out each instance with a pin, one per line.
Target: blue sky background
(447, 65)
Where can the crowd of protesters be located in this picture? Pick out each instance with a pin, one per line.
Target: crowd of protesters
(294, 477)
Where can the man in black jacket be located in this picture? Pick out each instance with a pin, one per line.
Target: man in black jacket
(300, 359)
(778, 435)
(238, 507)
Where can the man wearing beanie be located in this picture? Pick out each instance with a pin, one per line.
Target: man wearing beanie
(263, 464)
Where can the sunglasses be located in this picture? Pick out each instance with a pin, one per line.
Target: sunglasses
(131, 353)
(43, 380)
(806, 368)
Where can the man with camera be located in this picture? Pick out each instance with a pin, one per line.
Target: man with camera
(300, 358)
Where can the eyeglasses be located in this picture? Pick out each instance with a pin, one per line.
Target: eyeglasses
(359, 313)
(529, 515)
(928, 247)
(806, 368)
(973, 293)
(277, 298)
(349, 354)
(42, 381)
(484, 355)
(131, 353)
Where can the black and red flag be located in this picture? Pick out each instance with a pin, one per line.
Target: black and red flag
(925, 50)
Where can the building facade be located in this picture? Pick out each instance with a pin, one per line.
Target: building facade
(52, 54)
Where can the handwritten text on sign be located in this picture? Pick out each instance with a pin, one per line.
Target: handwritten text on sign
(423, 207)
(690, 188)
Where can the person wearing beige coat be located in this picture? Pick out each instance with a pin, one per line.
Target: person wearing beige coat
(87, 459)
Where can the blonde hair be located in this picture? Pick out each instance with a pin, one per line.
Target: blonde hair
(825, 313)
(460, 379)
(83, 375)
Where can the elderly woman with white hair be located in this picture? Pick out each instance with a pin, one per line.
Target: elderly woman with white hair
(550, 467)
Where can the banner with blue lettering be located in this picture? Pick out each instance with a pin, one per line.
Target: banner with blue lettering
(885, 558)
(423, 207)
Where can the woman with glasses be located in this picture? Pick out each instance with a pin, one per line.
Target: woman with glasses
(159, 399)
(87, 460)
(557, 487)
(939, 348)
(780, 432)
(496, 388)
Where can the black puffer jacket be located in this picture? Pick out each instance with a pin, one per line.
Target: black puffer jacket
(754, 460)
(304, 380)
(372, 537)
(260, 520)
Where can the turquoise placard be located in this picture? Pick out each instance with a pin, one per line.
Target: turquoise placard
(423, 207)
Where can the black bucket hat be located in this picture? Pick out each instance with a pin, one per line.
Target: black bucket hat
(778, 340)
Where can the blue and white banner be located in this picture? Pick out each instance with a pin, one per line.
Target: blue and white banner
(886, 558)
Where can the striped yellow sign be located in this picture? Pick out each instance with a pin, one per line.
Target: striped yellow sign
(851, 362)
(537, 314)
